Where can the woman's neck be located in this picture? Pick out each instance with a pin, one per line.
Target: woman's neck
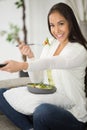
(60, 48)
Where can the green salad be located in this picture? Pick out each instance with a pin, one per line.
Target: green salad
(40, 85)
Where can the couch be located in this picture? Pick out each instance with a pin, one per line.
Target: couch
(5, 123)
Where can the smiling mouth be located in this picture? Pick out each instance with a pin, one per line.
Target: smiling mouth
(59, 36)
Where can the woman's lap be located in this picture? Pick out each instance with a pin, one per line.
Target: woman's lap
(50, 117)
(46, 117)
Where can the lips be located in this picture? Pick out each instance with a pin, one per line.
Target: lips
(59, 36)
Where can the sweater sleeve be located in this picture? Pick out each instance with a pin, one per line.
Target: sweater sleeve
(68, 59)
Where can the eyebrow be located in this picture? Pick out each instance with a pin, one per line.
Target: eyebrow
(59, 21)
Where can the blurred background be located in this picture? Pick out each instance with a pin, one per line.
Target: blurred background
(27, 20)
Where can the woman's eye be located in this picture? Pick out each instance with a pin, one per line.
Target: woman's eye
(51, 25)
(61, 23)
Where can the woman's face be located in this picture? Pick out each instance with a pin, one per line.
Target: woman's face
(59, 27)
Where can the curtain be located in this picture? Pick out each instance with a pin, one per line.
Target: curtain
(80, 9)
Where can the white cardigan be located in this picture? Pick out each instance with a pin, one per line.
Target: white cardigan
(68, 75)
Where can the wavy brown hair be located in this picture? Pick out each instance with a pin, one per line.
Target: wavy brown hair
(75, 34)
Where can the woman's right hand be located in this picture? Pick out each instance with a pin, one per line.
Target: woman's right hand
(26, 50)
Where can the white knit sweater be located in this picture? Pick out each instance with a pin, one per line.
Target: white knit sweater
(68, 75)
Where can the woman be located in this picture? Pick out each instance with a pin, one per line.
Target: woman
(65, 57)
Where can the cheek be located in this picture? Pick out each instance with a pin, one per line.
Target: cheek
(52, 31)
(67, 30)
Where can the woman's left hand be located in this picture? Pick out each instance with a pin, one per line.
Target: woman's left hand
(14, 66)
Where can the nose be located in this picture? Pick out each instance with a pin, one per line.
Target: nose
(57, 29)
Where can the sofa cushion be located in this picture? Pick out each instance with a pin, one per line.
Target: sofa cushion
(14, 82)
(6, 124)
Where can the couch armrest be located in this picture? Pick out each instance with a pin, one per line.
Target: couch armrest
(14, 82)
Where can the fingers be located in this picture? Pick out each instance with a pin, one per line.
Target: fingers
(2, 65)
(23, 47)
(26, 50)
(5, 68)
(12, 66)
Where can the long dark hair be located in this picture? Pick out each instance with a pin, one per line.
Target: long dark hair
(75, 32)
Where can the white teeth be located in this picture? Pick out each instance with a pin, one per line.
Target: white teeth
(59, 35)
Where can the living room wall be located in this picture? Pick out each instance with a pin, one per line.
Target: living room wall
(36, 21)
(38, 28)
(9, 14)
